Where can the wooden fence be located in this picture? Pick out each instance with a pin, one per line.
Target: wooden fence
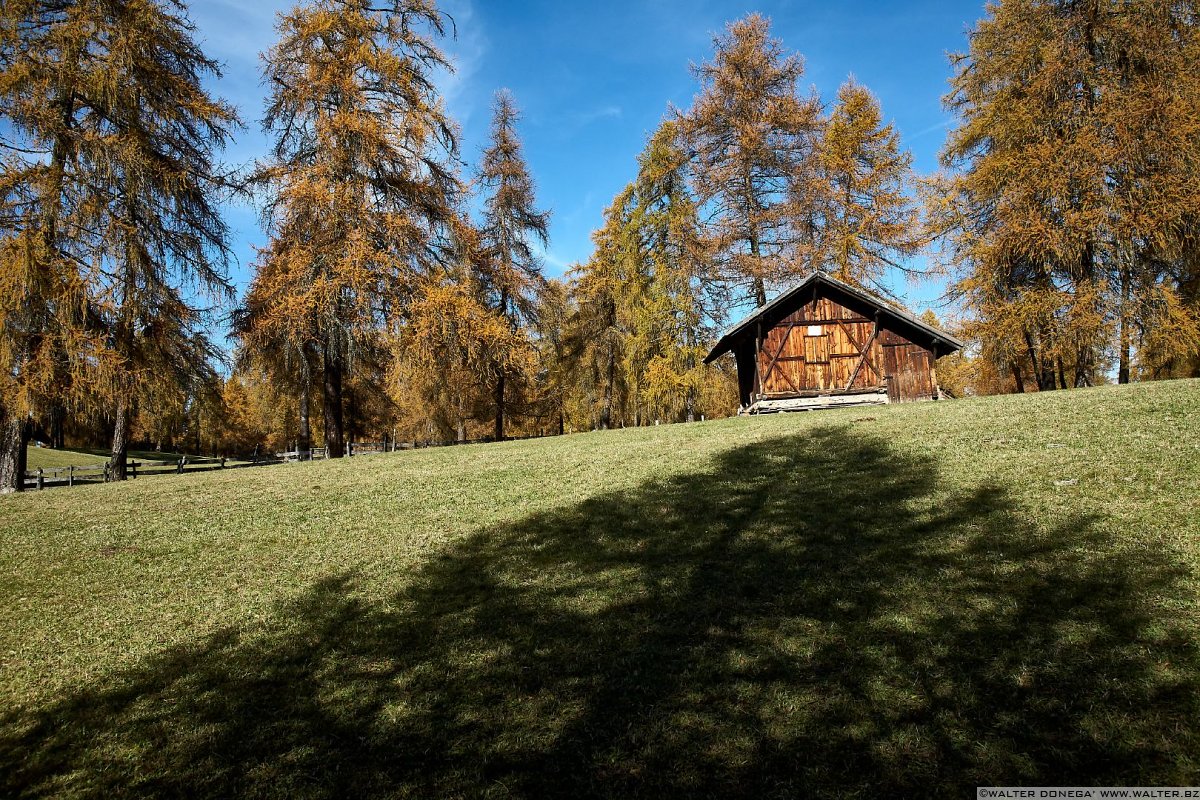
(51, 477)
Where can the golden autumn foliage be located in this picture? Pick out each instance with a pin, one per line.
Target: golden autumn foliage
(109, 207)
(410, 303)
(509, 274)
(868, 222)
(450, 357)
(43, 295)
(753, 135)
(1073, 215)
(646, 303)
(358, 182)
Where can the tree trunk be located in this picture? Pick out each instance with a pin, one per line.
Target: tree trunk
(1034, 367)
(606, 405)
(1084, 353)
(689, 397)
(760, 288)
(14, 438)
(331, 403)
(498, 431)
(1016, 371)
(58, 417)
(304, 444)
(120, 441)
(760, 293)
(1123, 368)
(1043, 370)
(1124, 343)
(498, 395)
(1083, 367)
(561, 423)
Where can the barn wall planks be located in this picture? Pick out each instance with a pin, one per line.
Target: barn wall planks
(819, 348)
(824, 339)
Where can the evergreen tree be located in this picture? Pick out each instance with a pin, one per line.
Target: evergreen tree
(359, 183)
(511, 274)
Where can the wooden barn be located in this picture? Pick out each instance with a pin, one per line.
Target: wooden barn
(824, 343)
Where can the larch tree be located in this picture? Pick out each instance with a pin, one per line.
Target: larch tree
(1072, 212)
(286, 363)
(43, 285)
(598, 332)
(862, 187)
(752, 136)
(116, 209)
(554, 364)
(452, 352)
(359, 183)
(682, 291)
(511, 273)
(157, 132)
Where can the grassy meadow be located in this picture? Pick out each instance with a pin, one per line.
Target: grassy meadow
(890, 601)
(47, 458)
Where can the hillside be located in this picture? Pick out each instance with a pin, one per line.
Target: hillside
(904, 599)
(46, 458)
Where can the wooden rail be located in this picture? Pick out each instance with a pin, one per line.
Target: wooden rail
(51, 477)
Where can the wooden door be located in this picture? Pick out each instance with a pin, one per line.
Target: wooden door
(909, 370)
(891, 368)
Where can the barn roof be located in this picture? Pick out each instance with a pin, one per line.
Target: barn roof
(784, 303)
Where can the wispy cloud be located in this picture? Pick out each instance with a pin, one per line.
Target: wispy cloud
(467, 50)
(558, 266)
(603, 112)
(946, 123)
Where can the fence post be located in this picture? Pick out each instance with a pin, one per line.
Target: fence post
(179, 466)
(222, 462)
(132, 469)
(41, 479)
(70, 476)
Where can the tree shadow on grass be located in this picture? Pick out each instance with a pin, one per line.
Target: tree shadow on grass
(815, 615)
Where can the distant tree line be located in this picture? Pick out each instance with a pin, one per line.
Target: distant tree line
(402, 295)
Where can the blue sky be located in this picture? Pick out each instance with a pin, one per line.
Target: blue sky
(593, 79)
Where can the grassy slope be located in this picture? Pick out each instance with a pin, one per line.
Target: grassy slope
(909, 599)
(46, 458)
